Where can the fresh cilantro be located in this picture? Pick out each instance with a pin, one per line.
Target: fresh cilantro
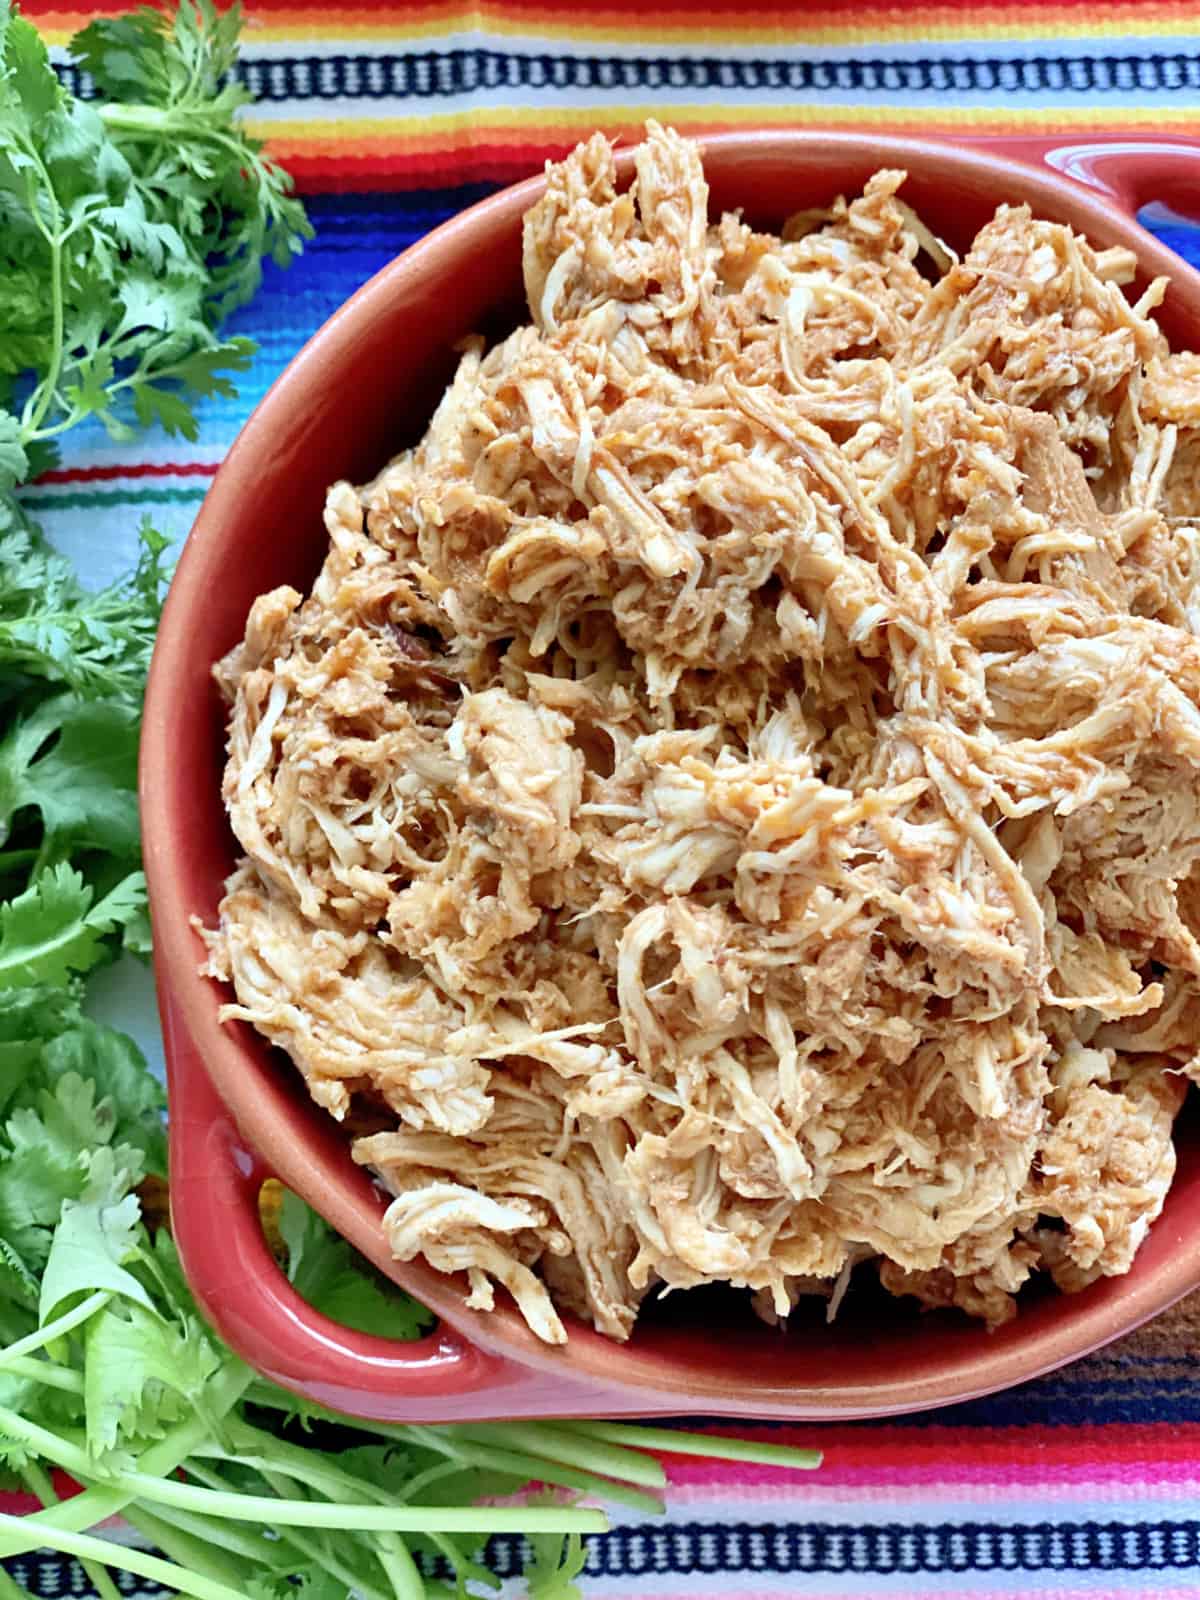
(143, 1372)
(97, 1235)
(83, 1119)
(558, 1559)
(56, 928)
(75, 763)
(56, 632)
(129, 227)
(333, 1277)
(72, 670)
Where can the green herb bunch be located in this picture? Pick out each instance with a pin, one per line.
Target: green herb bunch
(129, 227)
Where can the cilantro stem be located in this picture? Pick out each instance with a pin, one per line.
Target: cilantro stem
(348, 1518)
(135, 1561)
(43, 395)
(38, 1482)
(604, 1473)
(165, 1456)
(317, 1549)
(197, 1551)
(680, 1443)
(540, 1469)
(441, 1469)
(222, 1542)
(316, 1475)
(140, 1485)
(316, 1552)
(53, 1446)
(45, 1372)
(64, 425)
(402, 1571)
(392, 1553)
(454, 1559)
(40, 1337)
(548, 1440)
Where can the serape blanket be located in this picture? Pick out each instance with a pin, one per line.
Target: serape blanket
(393, 116)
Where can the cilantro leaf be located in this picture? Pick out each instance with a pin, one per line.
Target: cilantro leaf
(68, 763)
(45, 1037)
(29, 77)
(331, 1275)
(54, 630)
(131, 1104)
(38, 1177)
(558, 1559)
(30, 1019)
(53, 930)
(75, 762)
(97, 1236)
(141, 1374)
(14, 462)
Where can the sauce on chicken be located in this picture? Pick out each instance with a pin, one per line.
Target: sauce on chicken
(730, 797)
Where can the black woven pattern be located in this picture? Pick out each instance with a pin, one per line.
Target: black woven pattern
(891, 1549)
(814, 1549)
(438, 74)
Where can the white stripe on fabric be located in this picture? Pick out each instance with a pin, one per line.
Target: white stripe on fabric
(1091, 49)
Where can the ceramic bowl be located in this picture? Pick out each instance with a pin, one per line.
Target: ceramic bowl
(363, 387)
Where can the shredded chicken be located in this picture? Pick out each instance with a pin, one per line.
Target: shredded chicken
(728, 802)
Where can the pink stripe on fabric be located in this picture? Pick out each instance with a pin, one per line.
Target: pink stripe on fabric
(952, 1474)
(885, 1589)
(1019, 1466)
(1176, 1487)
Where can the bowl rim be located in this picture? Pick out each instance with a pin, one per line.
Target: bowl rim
(194, 1000)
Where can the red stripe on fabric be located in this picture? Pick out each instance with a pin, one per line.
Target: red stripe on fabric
(446, 167)
(334, 174)
(131, 469)
(917, 1453)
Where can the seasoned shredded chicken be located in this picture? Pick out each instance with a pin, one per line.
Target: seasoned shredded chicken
(728, 806)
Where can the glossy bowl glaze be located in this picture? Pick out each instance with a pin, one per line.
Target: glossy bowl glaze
(363, 387)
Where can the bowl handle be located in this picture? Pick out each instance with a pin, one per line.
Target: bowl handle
(1131, 171)
(215, 1182)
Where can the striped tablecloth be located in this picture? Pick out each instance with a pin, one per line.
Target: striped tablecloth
(393, 116)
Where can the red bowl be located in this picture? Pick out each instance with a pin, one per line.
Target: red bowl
(362, 387)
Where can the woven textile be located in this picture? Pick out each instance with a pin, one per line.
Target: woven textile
(393, 116)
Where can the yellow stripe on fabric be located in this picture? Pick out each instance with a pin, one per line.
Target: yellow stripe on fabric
(1168, 26)
(443, 131)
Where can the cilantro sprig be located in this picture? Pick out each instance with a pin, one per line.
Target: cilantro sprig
(72, 669)
(130, 226)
